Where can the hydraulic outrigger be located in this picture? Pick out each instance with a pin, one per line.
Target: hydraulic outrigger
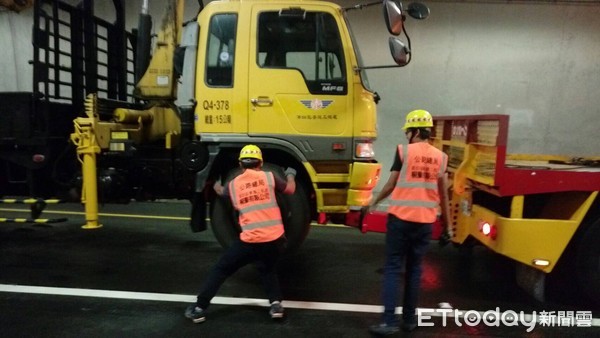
(87, 148)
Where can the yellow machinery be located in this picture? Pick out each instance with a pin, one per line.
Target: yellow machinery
(542, 211)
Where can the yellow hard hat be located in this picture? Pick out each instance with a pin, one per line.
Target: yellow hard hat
(418, 119)
(251, 151)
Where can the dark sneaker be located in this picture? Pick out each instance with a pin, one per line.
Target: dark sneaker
(383, 329)
(276, 310)
(195, 313)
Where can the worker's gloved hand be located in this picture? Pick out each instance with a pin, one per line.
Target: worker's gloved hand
(371, 208)
(444, 238)
(290, 171)
(364, 211)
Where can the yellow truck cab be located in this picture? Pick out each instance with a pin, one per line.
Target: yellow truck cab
(282, 76)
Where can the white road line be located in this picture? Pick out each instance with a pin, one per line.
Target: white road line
(167, 297)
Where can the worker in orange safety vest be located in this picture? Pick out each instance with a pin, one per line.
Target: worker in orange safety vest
(262, 239)
(417, 187)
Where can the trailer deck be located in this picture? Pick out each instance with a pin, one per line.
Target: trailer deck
(477, 150)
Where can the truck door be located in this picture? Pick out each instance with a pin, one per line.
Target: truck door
(215, 88)
(297, 75)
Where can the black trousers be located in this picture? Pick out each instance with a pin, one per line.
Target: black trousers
(264, 256)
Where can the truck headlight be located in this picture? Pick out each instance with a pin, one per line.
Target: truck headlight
(364, 150)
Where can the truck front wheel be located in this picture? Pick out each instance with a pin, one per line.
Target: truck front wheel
(295, 212)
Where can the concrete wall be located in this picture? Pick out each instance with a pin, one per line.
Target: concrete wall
(538, 62)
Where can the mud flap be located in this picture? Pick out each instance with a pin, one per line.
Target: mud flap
(198, 217)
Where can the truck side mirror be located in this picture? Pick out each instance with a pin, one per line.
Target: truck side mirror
(393, 17)
(418, 11)
(400, 52)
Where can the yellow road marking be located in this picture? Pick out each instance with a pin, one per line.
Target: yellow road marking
(176, 218)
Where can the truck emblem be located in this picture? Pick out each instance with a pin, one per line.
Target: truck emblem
(316, 104)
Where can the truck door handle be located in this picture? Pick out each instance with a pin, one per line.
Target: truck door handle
(262, 101)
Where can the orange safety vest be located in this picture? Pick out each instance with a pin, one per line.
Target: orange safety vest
(415, 197)
(253, 195)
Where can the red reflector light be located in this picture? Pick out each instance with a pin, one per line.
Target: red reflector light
(38, 158)
(338, 146)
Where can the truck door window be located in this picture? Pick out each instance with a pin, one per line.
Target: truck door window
(309, 43)
(220, 50)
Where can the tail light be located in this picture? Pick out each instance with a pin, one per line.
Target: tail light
(38, 158)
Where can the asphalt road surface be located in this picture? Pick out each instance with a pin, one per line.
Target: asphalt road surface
(134, 277)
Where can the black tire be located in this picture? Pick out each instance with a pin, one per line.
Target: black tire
(295, 212)
(222, 222)
(588, 263)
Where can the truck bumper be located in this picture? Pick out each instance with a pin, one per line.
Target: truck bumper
(363, 179)
(341, 192)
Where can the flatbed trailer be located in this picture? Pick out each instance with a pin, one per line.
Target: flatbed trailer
(542, 211)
